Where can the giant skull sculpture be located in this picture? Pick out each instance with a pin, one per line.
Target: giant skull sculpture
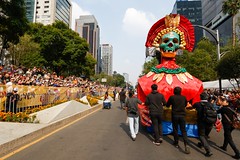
(168, 35)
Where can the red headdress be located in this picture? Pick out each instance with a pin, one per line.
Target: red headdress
(176, 23)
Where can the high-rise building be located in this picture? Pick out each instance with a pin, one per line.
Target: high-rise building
(48, 11)
(107, 58)
(126, 77)
(87, 27)
(215, 19)
(192, 10)
(31, 10)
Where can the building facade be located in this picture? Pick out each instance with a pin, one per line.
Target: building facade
(107, 58)
(126, 77)
(191, 9)
(87, 27)
(48, 11)
(31, 10)
(215, 19)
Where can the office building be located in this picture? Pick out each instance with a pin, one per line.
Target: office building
(215, 19)
(126, 77)
(48, 11)
(31, 10)
(87, 27)
(192, 10)
(107, 58)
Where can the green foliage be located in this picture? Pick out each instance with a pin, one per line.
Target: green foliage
(13, 22)
(148, 65)
(231, 7)
(201, 62)
(64, 51)
(88, 66)
(115, 80)
(229, 65)
(27, 53)
(118, 80)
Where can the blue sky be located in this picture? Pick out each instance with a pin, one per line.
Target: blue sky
(124, 24)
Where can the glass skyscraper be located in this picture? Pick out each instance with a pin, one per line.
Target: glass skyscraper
(192, 10)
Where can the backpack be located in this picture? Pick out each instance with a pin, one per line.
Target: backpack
(209, 113)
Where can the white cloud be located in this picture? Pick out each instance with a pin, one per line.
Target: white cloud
(76, 12)
(137, 22)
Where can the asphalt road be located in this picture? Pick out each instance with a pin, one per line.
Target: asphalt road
(104, 135)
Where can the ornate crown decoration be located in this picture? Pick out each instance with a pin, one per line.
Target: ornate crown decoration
(171, 21)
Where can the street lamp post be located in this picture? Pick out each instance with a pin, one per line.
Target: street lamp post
(215, 35)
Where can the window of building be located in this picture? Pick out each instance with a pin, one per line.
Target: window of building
(46, 6)
(46, 2)
(47, 11)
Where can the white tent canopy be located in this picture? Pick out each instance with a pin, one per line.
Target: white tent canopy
(226, 84)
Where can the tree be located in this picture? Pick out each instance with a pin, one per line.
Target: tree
(201, 62)
(148, 65)
(88, 68)
(13, 22)
(27, 53)
(63, 49)
(118, 80)
(229, 65)
(232, 8)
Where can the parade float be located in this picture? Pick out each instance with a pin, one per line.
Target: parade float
(170, 34)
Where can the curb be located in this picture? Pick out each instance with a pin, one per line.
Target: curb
(15, 144)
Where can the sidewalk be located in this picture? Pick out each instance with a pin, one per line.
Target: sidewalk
(15, 135)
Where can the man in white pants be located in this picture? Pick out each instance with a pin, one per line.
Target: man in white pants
(133, 114)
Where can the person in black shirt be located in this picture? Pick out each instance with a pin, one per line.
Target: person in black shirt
(154, 102)
(122, 98)
(203, 127)
(179, 103)
(227, 113)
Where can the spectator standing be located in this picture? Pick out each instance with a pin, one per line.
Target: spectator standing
(133, 114)
(154, 102)
(203, 127)
(227, 113)
(15, 99)
(114, 94)
(179, 103)
(122, 97)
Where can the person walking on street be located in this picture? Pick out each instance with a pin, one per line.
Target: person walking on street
(203, 126)
(114, 94)
(154, 102)
(133, 114)
(227, 116)
(179, 103)
(122, 97)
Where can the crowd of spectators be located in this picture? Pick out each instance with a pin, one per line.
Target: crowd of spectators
(19, 75)
(232, 96)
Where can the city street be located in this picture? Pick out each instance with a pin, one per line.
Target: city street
(105, 135)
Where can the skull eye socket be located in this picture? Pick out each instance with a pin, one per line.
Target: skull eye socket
(175, 40)
(165, 40)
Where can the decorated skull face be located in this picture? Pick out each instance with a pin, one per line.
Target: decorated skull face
(170, 44)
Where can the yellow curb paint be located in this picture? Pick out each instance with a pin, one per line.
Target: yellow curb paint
(36, 141)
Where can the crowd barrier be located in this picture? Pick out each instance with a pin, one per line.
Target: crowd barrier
(31, 96)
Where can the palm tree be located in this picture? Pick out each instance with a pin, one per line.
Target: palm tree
(232, 7)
